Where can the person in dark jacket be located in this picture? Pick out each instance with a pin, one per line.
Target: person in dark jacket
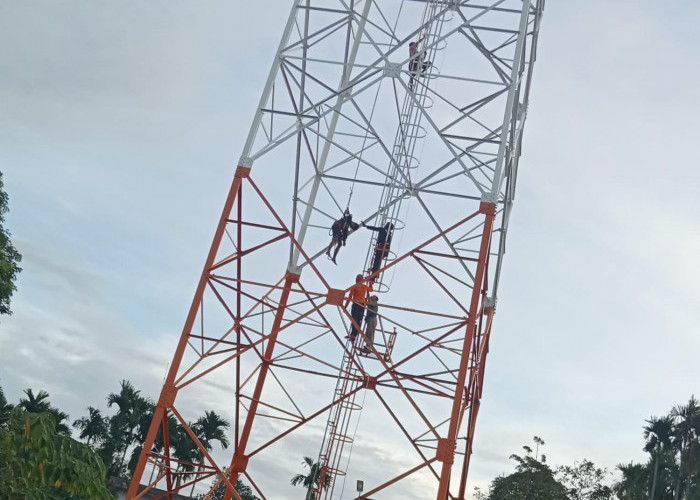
(381, 250)
(417, 64)
(339, 233)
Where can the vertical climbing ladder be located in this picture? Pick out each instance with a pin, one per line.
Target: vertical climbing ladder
(338, 437)
(410, 131)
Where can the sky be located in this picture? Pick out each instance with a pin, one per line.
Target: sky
(120, 127)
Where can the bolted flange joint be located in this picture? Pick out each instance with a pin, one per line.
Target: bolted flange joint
(335, 297)
(446, 450)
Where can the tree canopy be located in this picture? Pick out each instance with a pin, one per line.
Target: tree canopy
(9, 256)
(532, 478)
(37, 463)
(245, 491)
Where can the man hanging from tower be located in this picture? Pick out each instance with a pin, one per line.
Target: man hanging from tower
(339, 233)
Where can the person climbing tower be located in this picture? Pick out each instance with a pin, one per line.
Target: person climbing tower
(417, 65)
(381, 250)
(339, 233)
(358, 297)
(371, 321)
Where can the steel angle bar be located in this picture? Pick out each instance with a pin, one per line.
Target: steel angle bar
(442, 233)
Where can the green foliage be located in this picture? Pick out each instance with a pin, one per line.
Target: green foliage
(36, 463)
(673, 469)
(310, 479)
(211, 427)
(126, 428)
(94, 428)
(245, 491)
(584, 481)
(39, 403)
(5, 409)
(634, 484)
(532, 479)
(9, 257)
(658, 436)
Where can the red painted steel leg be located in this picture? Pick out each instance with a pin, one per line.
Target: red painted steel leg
(169, 391)
(166, 448)
(489, 209)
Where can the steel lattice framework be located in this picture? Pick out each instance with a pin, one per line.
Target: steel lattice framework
(427, 141)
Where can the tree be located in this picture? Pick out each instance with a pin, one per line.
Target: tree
(9, 257)
(35, 403)
(209, 428)
(132, 411)
(311, 479)
(36, 463)
(657, 435)
(479, 495)
(634, 483)
(584, 481)
(93, 428)
(39, 403)
(184, 450)
(686, 431)
(60, 418)
(532, 479)
(245, 491)
(5, 409)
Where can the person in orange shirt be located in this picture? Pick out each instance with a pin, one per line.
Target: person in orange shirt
(358, 297)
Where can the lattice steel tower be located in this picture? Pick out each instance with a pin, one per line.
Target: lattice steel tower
(409, 114)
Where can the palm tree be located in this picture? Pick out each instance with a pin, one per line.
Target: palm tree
(93, 428)
(39, 403)
(211, 427)
(184, 450)
(538, 441)
(60, 418)
(35, 404)
(142, 428)
(132, 408)
(634, 482)
(685, 440)
(310, 480)
(658, 433)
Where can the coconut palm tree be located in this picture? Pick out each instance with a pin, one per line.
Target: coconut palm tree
(93, 428)
(35, 403)
(209, 428)
(140, 433)
(61, 418)
(310, 480)
(658, 433)
(685, 441)
(132, 408)
(634, 482)
(39, 403)
(184, 450)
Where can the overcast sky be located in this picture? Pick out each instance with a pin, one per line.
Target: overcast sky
(121, 124)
